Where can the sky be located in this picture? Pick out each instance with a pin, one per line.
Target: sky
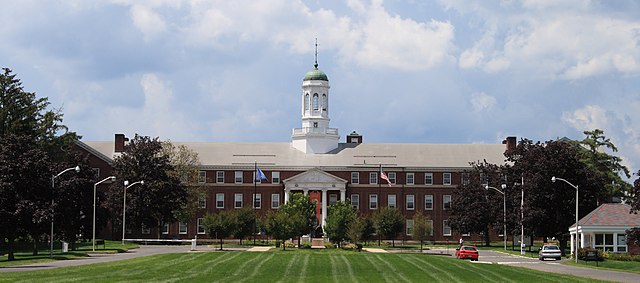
(414, 71)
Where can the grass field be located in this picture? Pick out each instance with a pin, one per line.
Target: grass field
(290, 266)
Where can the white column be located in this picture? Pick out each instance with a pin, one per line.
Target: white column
(582, 242)
(342, 195)
(305, 191)
(573, 244)
(286, 195)
(324, 207)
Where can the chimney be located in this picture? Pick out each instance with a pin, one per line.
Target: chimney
(119, 143)
(511, 144)
(354, 138)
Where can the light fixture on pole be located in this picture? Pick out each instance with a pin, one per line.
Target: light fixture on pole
(53, 184)
(553, 179)
(521, 184)
(504, 210)
(124, 204)
(112, 179)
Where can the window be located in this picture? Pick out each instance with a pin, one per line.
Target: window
(391, 201)
(200, 226)
(202, 201)
(275, 177)
(373, 201)
(428, 178)
(183, 228)
(446, 229)
(605, 242)
(275, 201)
(220, 177)
(484, 180)
(145, 230)
(306, 102)
(446, 201)
(446, 178)
(373, 178)
(237, 200)
(355, 178)
(409, 226)
(220, 200)
(202, 176)
(621, 242)
(257, 201)
(165, 228)
(333, 199)
(410, 179)
(238, 177)
(315, 101)
(430, 224)
(428, 202)
(315, 124)
(410, 202)
(392, 177)
(355, 201)
(325, 102)
(465, 179)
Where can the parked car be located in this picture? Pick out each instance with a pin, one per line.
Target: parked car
(550, 251)
(469, 252)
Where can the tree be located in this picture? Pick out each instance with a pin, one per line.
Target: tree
(369, 228)
(634, 195)
(164, 195)
(388, 223)
(245, 220)
(186, 167)
(302, 212)
(473, 210)
(355, 231)
(220, 225)
(341, 217)
(280, 225)
(422, 229)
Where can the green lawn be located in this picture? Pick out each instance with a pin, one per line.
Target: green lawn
(290, 266)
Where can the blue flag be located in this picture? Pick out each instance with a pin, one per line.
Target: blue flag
(260, 175)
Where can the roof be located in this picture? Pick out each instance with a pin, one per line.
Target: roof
(611, 214)
(284, 155)
(315, 75)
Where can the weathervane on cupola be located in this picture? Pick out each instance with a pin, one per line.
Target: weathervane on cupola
(315, 136)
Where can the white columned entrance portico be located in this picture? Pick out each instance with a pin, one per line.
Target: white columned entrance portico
(316, 180)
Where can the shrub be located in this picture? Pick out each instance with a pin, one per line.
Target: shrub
(329, 245)
(305, 245)
(349, 247)
(582, 252)
(622, 257)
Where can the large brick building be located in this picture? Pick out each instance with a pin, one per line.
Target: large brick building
(422, 176)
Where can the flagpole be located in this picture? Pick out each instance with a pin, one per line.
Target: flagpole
(255, 175)
(379, 197)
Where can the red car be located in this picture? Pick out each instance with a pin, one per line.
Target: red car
(469, 252)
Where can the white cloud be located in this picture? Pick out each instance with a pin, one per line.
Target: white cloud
(481, 102)
(587, 118)
(147, 21)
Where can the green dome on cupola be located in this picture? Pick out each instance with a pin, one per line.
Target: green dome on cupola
(315, 75)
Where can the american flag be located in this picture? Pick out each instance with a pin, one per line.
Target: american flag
(384, 177)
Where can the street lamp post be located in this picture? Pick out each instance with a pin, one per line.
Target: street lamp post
(124, 204)
(504, 211)
(521, 215)
(53, 185)
(553, 179)
(110, 178)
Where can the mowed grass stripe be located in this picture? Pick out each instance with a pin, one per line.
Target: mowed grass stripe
(288, 272)
(394, 268)
(347, 264)
(442, 274)
(481, 271)
(208, 261)
(253, 276)
(428, 273)
(334, 268)
(236, 269)
(380, 270)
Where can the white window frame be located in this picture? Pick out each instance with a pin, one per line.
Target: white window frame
(238, 198)
(275, 177)
(275, 201)
(200, 230)
(202, 201)
(355, 201)
(165, 228)
(445, 228)
(428, 199)
(392, 177)
(428, 178)
(183, 228)
(410, 203)
(220, 198)
(373, 178)
(239, 177)
(257, 201)
(202, 177)
(430, 222)
(446, 199)
(220, 177)
(373, 201)
(392, 201)
(446, 179)
(355, 177)
(410, 179)
(409, 227)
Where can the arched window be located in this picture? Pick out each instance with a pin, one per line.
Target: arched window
(315, 101)
(325, 102)
(306, 102)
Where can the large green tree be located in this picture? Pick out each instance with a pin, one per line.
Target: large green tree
(302, 212)
(281, 225)
(422, 230)
(220, 225)
(245, 223)
(163, 196)
(186, 167)
(634, 194)
(388, 222)
(341, 217)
